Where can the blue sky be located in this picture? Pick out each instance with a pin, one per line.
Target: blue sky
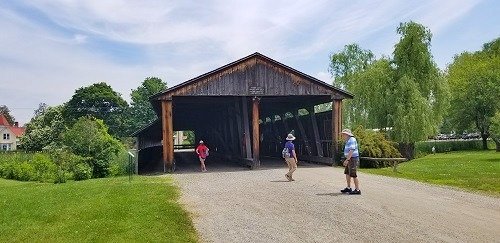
(49, 48)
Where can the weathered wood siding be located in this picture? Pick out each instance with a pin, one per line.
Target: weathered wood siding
(254, 77)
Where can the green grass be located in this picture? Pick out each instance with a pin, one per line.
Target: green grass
(471, 170)
(102, 210)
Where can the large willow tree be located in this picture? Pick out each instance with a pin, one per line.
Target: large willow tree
(419, 92)
(406, 95)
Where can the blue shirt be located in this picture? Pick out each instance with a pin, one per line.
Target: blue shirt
(289, 145)
(351, 144)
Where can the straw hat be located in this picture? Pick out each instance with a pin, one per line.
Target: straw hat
(348, 132)
(290, 137)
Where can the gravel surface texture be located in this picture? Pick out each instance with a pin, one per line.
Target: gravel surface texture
(262, 206)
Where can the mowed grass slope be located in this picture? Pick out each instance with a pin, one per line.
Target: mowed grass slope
(104, 210)
(472, 170)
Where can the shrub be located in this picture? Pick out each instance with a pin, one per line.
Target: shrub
(23, 172)
(89, 138)
(425, 147)
(82, 171)
(61, 176)
(45, 168)
(120, 164)
(376, 145)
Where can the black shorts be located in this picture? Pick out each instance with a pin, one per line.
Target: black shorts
(352, 167)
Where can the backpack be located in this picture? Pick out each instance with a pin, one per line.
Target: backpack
(285, 153)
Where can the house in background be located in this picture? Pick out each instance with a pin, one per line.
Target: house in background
(9, 135)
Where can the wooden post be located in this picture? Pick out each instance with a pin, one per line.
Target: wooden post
(285, 125)
(336, 124)
(240, 130)
(319, 148)
(168, 135)
(256, 132)
(303, 133)
(246, 125)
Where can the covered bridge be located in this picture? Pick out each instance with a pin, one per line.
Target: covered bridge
(243, 111)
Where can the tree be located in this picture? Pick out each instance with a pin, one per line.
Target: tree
(495, 130)
(141, 112)
(419, 91)
(4, 110)
(343, 67)
(475, 84)
(89, 138)
(372, 95)
(44, 129)
(100, 101)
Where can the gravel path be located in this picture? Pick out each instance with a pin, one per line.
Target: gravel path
(260, 206)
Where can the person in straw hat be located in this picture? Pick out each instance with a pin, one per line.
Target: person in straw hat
(351, 153)
(290, 157)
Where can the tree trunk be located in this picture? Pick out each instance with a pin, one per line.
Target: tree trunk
(407, 150)
(497, 143)
(485, 142)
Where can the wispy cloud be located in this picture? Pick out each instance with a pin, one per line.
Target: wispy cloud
(56, 46)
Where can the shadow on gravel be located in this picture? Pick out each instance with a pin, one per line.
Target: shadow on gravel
(333, 194)
(281, 181)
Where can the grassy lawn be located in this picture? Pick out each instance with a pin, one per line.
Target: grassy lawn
(472, 170)
(103, 210)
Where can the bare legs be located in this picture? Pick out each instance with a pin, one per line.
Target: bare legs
(355, 179)
(202, 163)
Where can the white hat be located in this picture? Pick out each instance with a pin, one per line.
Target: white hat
(201, 141)
(290, 137)
(348, 132)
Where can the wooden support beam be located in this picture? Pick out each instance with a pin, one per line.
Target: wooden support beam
(232, 134)
(240, 129)
(283, 119)
(303, 133)
(336, 124)
(168, 135)
(255, 132)
(246, 124)
(319, 147)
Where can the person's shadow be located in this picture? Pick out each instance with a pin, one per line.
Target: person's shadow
(332, 194)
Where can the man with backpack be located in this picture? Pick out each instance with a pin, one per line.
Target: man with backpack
(290, 157)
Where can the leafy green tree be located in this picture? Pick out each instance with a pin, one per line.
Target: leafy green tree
(141, 112)
(100, 101)
(475, 87)
(372, 96)
(344, 66)
(495, 130)
(6, 112)
(89, 138)
(419, 93)
(44, 129)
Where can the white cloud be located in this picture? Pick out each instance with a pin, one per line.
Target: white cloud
(179, 40)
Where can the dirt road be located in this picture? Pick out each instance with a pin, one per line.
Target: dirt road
(260, 206)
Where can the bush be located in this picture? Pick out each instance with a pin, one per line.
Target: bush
(23, 172)
(82, 171)
(45, 168)
(89, 138)
(376, 145)
(120, 164)
(61, 176)
(425, 147)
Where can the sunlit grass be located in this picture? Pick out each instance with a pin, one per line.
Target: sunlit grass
(471, 170)
(104, 210)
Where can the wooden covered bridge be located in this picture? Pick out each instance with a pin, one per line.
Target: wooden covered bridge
(243, 111)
